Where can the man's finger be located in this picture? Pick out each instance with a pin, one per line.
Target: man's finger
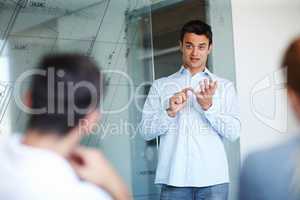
(211, 84)
(206, 84)
(184, 97)
(200, 95)
(186, 90)
(212, 87)
(172, 99)
(80, 151)
(178, 99)
(215, 85)
(202, 87)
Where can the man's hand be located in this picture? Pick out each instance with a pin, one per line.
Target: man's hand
(91, 166)
(177, 102)
(205, 94)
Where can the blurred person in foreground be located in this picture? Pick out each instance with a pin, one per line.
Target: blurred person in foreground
(47, 161)
(273, 174)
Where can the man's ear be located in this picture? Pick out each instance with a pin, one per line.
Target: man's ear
(210, 48)
(180, 45)
(94, 116)
(27, 100)
(89, 121)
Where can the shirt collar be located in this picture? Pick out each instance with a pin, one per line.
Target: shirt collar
(184, 71)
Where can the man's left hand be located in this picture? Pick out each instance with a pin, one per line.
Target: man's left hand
(205, 94)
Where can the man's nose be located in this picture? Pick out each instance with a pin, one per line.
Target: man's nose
(194, 51)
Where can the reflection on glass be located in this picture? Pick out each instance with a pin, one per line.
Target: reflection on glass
(113, 35)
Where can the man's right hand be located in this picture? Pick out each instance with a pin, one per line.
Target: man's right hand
(177, 102)
(91, 166)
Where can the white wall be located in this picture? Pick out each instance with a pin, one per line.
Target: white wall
(262, 31)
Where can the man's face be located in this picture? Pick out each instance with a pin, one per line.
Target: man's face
(195, 50)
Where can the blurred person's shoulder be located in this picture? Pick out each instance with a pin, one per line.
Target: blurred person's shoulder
(32, 173)
(279, 156)
(269, 173)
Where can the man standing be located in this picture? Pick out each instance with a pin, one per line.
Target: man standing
(192, 111)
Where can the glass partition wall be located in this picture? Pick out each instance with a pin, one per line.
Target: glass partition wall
(108, 31)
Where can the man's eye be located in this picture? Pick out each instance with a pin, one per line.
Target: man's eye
(201, 47)
(188, 46)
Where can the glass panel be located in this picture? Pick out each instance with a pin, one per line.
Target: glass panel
(118, 35)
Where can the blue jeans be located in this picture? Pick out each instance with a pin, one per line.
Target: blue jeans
(215, 192)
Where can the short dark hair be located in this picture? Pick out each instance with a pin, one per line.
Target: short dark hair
(67, 70)
(197, 27)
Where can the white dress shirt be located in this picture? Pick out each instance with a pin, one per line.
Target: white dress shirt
(29, 173)
(191, 151)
